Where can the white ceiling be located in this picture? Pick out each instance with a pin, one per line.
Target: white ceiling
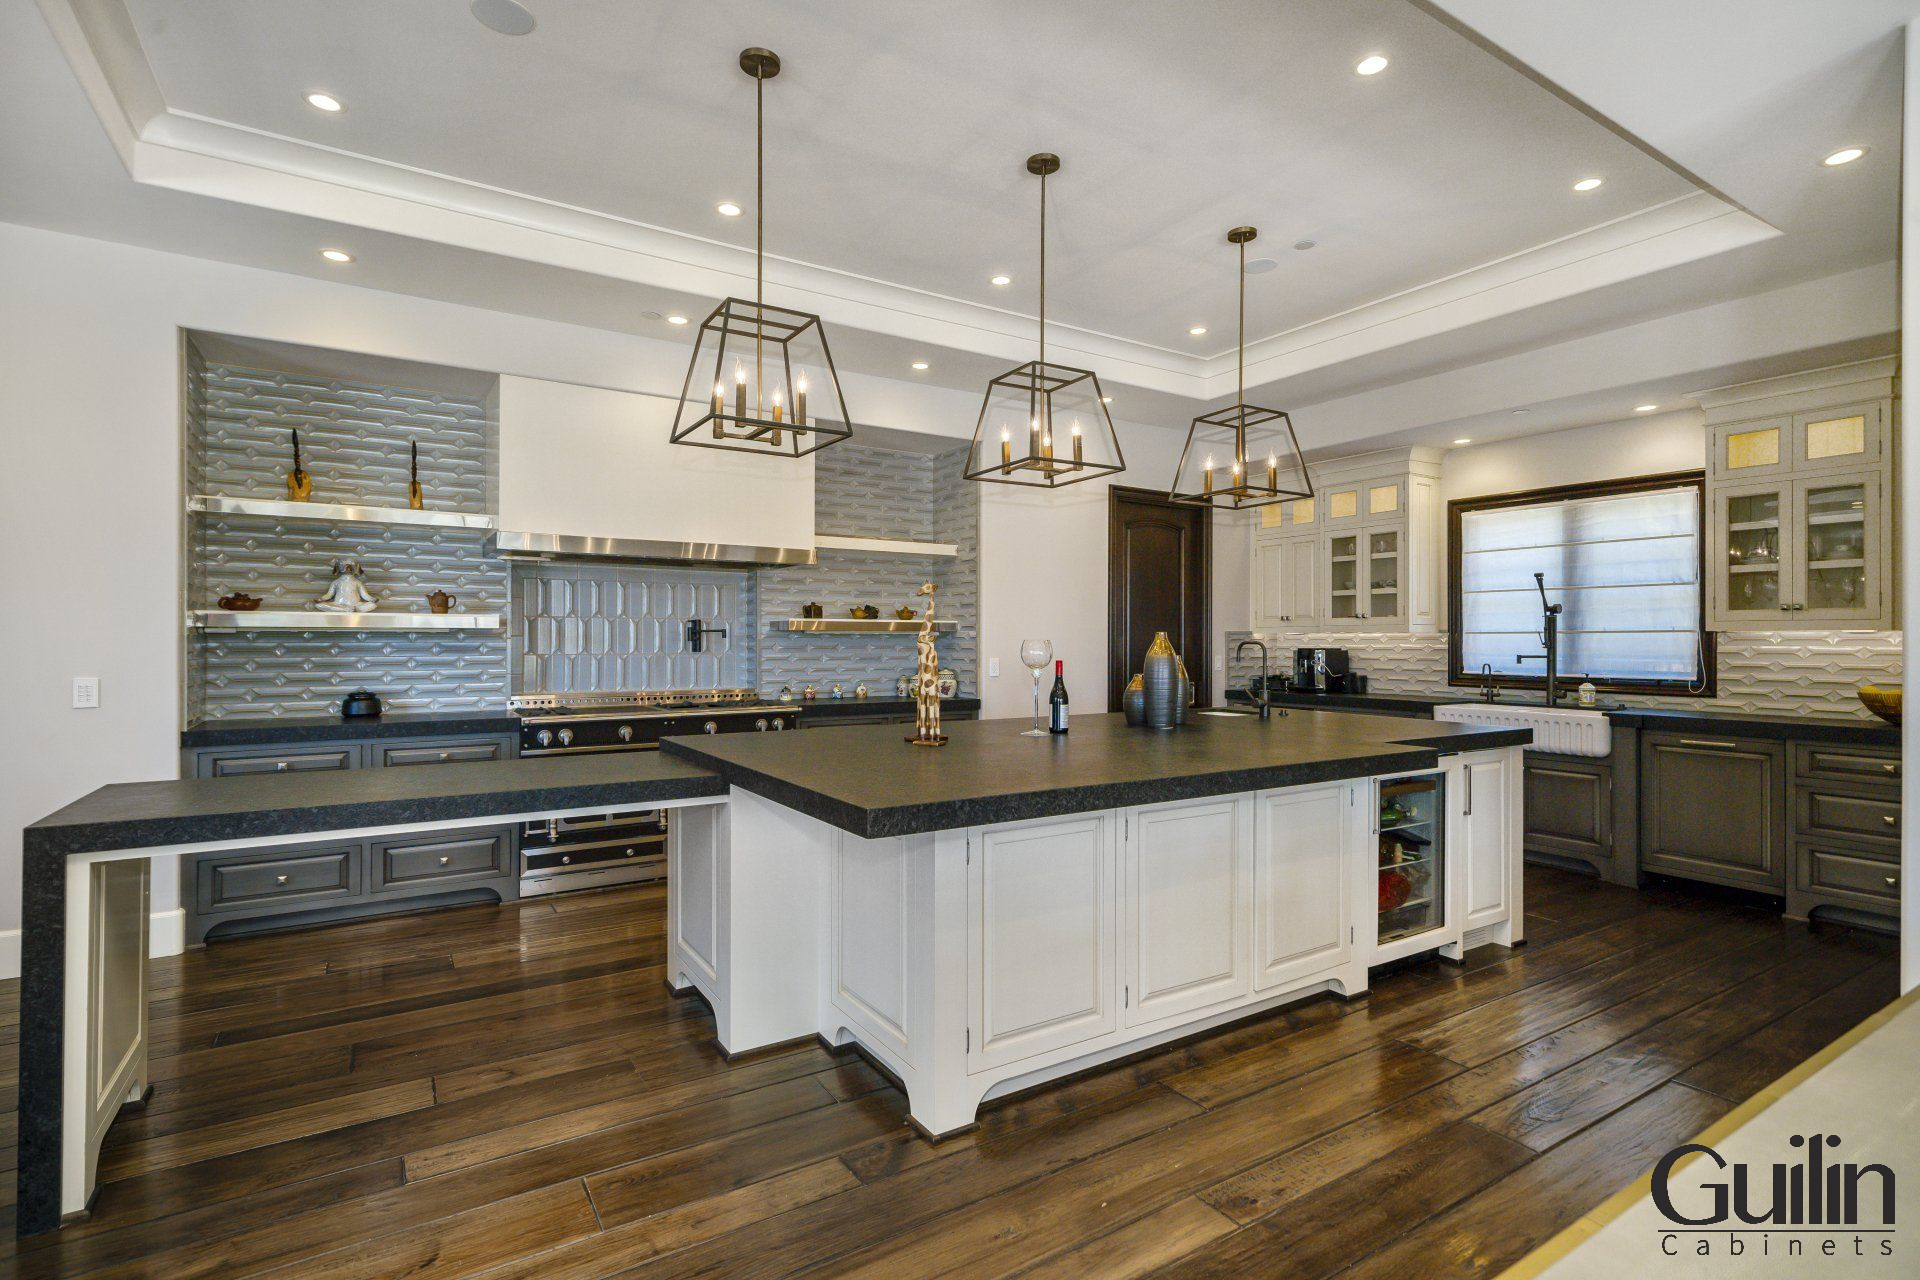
(571, 173)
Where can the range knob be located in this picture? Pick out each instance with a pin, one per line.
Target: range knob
(626, 733)
(566, 737)
(710, 726)
(778, 725)
(761, 724)
(544, 737)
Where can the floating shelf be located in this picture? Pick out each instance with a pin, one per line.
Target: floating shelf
(859, 626)
(883, 546)
(304, 620)
(335, 512)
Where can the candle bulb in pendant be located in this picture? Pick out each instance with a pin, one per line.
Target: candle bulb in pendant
(739, 391)
(719, 399)
(779, 410)
(1046, 446)
(799, 403)
(1273, 474)
(1033, 438)
(1235, 486)
(1006, 452)
(1077, 459)
(1206, 476)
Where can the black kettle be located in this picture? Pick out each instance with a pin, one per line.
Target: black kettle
(360, 703)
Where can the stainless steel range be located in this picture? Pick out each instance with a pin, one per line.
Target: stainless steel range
(595, 850)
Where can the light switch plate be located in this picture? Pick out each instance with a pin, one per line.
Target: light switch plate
(993, 668)
(86, 692)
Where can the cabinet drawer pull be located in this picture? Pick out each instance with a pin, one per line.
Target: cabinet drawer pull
(1891, 819)
(1708, 742)
(281, 766)
(279, 879)
(1892, 881)
(446, 755)
(1892, 766)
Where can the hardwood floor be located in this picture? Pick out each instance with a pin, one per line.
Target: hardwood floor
(512, 1092)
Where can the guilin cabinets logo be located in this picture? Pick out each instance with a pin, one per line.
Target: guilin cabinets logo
(1816, 1205)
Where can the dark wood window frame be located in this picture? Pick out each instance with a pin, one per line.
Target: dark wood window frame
(1459, 507)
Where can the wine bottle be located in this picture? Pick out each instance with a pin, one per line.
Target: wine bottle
(1057, 700)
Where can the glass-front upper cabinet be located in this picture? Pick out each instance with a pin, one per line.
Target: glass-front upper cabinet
(1844, 436)
(1808, 550)
(1383, 595)
(1750, 521)
(1364, 575)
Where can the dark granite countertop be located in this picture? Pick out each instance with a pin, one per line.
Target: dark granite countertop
(242, 731)
(874, 785)
(828, 708)
(140, 815)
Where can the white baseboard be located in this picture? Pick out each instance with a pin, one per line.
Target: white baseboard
(166, 936)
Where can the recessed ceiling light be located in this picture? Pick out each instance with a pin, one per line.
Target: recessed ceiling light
(324, 102)
(1371, 65)
(504, 16)
(1001, 280)
(1197, 330)
(920, 364)
(1846, 155)
(1303, 245)
(1645, 408)
(676, 319)
(1521, 413)
(1588, 184)
(1260, 266)
(727, 209)
(336, 255)
(1464, 440)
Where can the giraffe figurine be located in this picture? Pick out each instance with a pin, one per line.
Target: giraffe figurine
(926, 683)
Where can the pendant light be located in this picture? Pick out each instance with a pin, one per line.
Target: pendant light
(1242, 455)
(1044, 424)
(762, 378)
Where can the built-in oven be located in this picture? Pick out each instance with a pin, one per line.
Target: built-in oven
(592, 850)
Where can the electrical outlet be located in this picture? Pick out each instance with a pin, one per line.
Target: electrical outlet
(86, 692)
(1219, 664)
(993, 668)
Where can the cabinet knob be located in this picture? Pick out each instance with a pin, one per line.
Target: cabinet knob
(280, 766)
(1892, 881)
(279, 879)
(446, 755)
(1891, 819)
(1891, 766)
(444, 859)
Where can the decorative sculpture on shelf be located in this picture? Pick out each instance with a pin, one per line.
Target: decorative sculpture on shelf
(299, 483)
(416, 496)
(926, 683)
(346, 593)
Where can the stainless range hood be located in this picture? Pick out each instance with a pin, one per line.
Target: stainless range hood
(512, 545)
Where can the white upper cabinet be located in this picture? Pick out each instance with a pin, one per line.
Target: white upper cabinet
(588, 462)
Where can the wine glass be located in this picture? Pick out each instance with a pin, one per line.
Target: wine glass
(1036, 654)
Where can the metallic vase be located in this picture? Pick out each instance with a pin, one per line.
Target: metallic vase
(1183, 693)
(1160, 680)
(1134, 702)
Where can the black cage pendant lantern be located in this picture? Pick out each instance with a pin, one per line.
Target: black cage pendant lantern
(1242, 455)
(762, 378)
(1044, 424)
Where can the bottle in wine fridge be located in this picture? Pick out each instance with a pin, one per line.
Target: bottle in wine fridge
(1057, 700)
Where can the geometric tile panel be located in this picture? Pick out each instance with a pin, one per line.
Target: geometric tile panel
(581, 627)
(1795, 671)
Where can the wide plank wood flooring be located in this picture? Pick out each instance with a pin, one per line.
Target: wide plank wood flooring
(511, 1091)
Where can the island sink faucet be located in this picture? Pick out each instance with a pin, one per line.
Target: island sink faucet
(1266, 707)
(1549, 640)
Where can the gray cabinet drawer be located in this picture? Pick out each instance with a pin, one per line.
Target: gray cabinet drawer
(280, 877)
(1849, 873)
(233, 764)
(438, 751)
(401, 864)
(1713, 809)
(1846, 764)
(1820, 811)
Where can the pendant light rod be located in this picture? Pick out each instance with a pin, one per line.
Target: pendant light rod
(1043, 163)
(763, 65)
(1242, 236)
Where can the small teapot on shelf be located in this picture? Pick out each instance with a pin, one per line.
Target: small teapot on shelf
(905, 613)
(441, 602)
(812, 611)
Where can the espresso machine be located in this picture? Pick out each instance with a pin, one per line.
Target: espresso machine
(1320, 671)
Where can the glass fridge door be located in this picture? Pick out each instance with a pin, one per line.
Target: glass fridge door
(1411, 861)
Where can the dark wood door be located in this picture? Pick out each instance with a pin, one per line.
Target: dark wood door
(1159, 565)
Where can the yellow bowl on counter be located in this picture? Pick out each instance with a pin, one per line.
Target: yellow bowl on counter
(1884, 703)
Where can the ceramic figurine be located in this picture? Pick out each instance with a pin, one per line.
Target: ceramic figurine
(837, 691)
(809, 693)
(299, 483)
(926, 682)
(786, 693)
(346, 593)
(860, 690)
(904, 686)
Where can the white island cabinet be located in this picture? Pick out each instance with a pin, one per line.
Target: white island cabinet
(978, 960)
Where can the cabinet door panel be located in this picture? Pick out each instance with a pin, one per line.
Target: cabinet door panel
(1302, 878)
(1042, 937)
(1489, 859)
(1569, 807)
(1270, 585)
(1839, 549)
(1713, 809)
(1749, 552)
(1187, 888)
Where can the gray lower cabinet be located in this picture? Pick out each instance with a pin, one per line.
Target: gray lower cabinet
(1569, 808)
(299, 876)
(235, 762)
(413, 862)
(1714, 809)
(437, 751)
(367, 753)
(1846, 831)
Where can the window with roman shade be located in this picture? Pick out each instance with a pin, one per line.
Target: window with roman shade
(1623, 559)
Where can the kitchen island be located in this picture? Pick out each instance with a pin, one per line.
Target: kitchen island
(1006, 910)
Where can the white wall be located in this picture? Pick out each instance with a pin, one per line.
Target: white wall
(90, 493)
(1639, 446)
